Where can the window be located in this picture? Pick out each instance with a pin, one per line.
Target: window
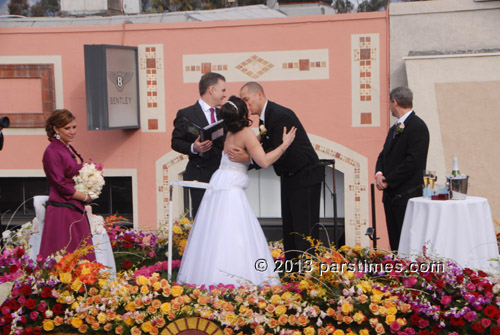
(16, 198)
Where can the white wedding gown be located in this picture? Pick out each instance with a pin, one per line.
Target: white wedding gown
(226, 242)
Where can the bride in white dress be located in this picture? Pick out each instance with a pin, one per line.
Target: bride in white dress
(226, 244)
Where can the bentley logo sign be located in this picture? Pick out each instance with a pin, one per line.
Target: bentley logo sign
(120, 79)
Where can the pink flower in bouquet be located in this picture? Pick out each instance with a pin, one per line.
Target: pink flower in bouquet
(445, 300)
(470, 316)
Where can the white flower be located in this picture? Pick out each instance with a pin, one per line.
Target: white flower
(262, 130)
(89, 180)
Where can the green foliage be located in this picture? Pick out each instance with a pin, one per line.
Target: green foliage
(46, 8)
(19, 7)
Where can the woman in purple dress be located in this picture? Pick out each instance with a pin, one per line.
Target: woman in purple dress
(66, 225)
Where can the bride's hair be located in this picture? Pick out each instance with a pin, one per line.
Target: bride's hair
(235, 114)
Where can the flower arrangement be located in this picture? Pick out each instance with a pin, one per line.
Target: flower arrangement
(67, 294)
(90, 179)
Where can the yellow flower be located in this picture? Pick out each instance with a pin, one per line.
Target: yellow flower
(65, 277)
(141, 280)
(130, 306)
(275, 299)
(231, 318)
(276, 253)
(357, 248)
(309, 331)
(177, 230)
(392, 310)
(364, 332)
(358, 317)
(129, 321)
(184, 221)
(280, 310)
(76, 322)
(389, 319)
(177, 290)
(144, 289)
(345, 248)
(376, 298)
(76, 286)
(347, 308)
(74, 305)
(146, 327)
(165, 308)
(338, 332)
(365, 285)
(48, 325)
(304, 284)
(102, 317)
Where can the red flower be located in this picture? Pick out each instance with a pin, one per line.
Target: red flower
(414, 319)
(440, 283)
(30, 303)
(457, 322)
(23, 319)
(25, 290)
(37, 331)
(468, 271)
(482, 274)
(477, 327)
(460, 279)
(57, 309)
(13, 305)
(126, 264)
(13, 268)
(47, 292)
(490, 311)
(28, 331)
(495, 331)
(20, 252)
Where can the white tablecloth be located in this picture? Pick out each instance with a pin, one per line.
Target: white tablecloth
(461, 230)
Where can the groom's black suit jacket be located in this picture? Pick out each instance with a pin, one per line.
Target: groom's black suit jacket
(301, 177)
(300, 156)
(199, 167)
(404, 157)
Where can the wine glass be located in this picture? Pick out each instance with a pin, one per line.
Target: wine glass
(432, 178)
(426, 178)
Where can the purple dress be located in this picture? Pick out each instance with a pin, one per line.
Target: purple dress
(64, 228)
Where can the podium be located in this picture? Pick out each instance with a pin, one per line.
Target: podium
(333, 193)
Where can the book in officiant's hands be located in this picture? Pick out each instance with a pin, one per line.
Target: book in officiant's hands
(211, 132)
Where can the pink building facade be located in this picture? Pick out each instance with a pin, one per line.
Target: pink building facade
(332, 70)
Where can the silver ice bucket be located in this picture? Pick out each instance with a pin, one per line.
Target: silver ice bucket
(458, 186)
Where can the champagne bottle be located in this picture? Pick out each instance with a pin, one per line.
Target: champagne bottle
(455, 172)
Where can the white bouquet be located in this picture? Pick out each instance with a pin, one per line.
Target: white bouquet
(90, 180)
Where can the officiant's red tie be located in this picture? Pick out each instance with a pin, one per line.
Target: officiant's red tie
(212, 115)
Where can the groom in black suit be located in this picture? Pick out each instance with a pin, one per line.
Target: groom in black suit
(204, 157)
(401, 164)
(298, 168)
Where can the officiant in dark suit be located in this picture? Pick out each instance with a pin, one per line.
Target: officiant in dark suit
(401, 163)
(298, 168)
(204, 157)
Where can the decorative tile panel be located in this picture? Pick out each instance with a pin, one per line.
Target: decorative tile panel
(151, 83)
(261, 66)
(365, 77)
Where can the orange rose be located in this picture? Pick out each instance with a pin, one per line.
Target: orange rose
(379, 328)
(302, 321)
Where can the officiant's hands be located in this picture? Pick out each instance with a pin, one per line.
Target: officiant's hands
(202, 146)
(238, 155)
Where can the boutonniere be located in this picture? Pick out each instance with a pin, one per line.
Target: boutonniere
(262, 130)
(400, 127)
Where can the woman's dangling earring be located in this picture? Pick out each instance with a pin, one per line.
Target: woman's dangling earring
(57, 136)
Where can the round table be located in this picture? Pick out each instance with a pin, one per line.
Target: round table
(461, 230)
